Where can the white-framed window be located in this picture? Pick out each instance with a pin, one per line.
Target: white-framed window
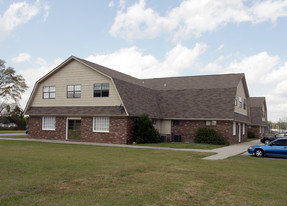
(101, 90)
(101, 124)
(48, 123)
(210, 123)
(234, 128)
(74, 91)
(240, 102)
(243, 129)
(49, 92)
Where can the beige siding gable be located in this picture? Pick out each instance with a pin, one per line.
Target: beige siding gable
(264, 114)
(241, 96)
(76, 73)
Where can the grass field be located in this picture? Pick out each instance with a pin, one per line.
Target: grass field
(58, 174)
(11, 131)
(182, 145)
(14, 136)
(8, 132)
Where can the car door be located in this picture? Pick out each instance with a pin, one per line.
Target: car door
(278, 147)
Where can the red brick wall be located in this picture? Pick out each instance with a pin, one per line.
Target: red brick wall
(256, 131)
(187, 129)
(35, 129)
(121, 130)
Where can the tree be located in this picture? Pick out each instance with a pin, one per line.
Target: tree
(144, 131)
(11, 85)
(16, 115)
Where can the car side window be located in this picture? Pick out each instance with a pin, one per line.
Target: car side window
(284, 143)
(280, 135)
(280, 143)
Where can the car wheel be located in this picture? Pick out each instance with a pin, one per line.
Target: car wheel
(267, 141)
(258, 153)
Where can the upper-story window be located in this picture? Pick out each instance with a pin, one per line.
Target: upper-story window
(235, 102)
(74, 91)
(240, 102)
(49, 92)
(101, 90)
(244, 104)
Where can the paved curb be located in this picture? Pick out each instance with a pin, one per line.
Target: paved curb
(222, 153)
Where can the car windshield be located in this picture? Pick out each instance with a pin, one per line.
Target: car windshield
(280, 135)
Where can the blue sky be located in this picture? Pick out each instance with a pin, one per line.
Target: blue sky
(146, 38)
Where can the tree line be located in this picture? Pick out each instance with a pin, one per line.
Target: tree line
(12, 86)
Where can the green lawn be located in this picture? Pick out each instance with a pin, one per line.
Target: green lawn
(11, 131)
(60, 174)
(183, 145)
(14, 136)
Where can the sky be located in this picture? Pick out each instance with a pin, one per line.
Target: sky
(153, 38)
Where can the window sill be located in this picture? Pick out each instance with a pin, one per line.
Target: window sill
(96, 131)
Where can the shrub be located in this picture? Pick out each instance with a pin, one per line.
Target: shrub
(144, 131)
(209, 136)
(251, 135)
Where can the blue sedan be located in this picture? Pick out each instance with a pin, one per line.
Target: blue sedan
(277, 147)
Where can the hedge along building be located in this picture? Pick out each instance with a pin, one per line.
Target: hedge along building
(83, 101)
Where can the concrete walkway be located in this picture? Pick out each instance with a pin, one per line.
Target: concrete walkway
(228, 151)
(222, 153)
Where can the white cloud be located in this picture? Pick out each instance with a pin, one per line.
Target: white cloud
(137, 22)
(269, 10)
(122, 4)
(265, 77)
(111, 4)
(192, 17)
(220, 47)
(132, 61)
(22, 57)
(21, 13)
(33, 73)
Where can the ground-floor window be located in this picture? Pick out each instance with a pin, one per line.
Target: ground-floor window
(49, 123)
(101, 124)
(234, 128)
(243, 129)
(210, 123)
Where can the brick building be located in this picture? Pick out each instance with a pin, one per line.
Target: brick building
(258, 116)
(80, 100)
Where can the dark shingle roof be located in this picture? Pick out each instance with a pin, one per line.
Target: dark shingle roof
(194, 82)
(198, 103)
(208, 96)
(79, 111)
(256, 104)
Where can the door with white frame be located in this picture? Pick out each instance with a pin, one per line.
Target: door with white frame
(73, 129)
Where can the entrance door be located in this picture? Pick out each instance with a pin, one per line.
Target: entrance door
(74, 129)
(239, 132)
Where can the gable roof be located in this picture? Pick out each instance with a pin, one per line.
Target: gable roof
(256, 104)
(192, 97)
